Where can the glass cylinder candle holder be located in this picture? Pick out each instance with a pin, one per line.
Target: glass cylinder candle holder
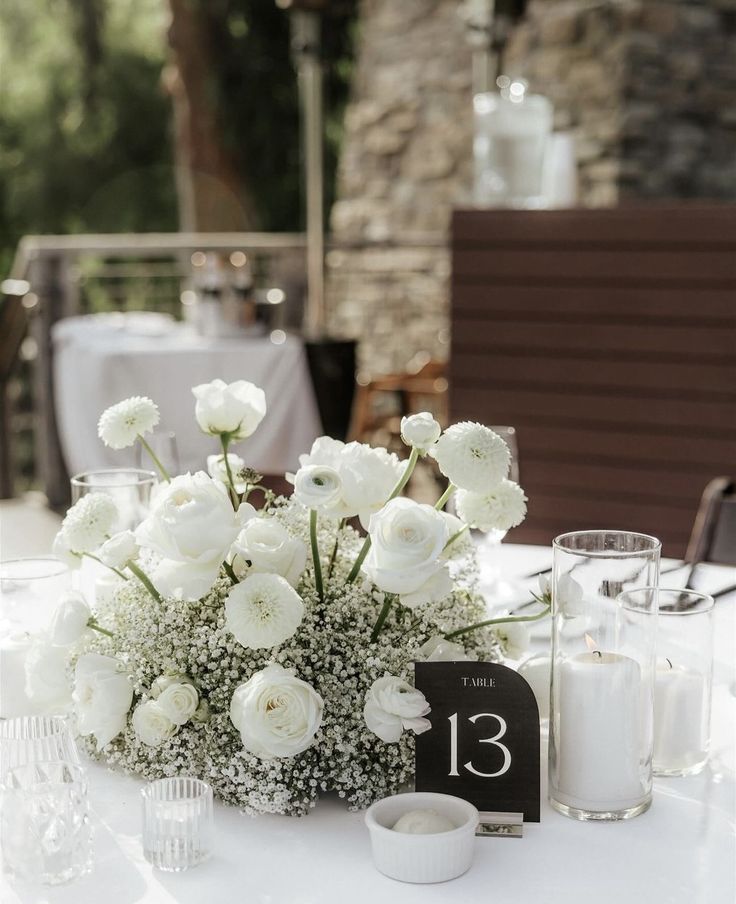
(603, 666)
(130, 489)
(32, 739)
(177, 822)
(683, 680)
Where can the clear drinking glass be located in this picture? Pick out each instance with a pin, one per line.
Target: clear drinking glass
(130, 488)
(45, 827)
(177, 822)
(603, 665)
(683, 680)
(31, 739)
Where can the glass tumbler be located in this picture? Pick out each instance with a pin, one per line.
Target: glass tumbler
(45, 826)
(603, 654)
(683, 681)
(177, 822)
(130, 488)
(30, 739)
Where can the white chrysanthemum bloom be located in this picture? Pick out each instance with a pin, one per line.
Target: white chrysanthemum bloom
(70, 619)
(318, 487)
(514, 637)
(179, 701)
(263, 611)
(102, 697)
(217, 470)
(151, 724)
(120, 425)
(119, 549)
(276, 713)
(438, 649)
(500, 508)
(88, 523)
(393, 705)
(271, 549)
(472, 456)
(235, 409)
(47, 682)
(420, 431)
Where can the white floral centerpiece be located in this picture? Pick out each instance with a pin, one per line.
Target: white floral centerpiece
(271, 652)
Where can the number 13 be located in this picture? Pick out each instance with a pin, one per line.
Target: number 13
(494, 740)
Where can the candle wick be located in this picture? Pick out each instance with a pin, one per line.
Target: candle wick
(598, 653)
(669, 663)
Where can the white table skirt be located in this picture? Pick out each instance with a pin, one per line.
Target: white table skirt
(682, 851)
(98, 361)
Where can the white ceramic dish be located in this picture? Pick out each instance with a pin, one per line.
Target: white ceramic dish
(422, 858)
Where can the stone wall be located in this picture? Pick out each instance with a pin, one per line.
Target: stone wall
(648, 87)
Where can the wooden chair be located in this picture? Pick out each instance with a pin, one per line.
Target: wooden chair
(714, 532)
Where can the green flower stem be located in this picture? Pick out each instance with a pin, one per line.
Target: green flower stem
(333, 556)
(440, 504)
(315, 555)
(95, 558)
(455, 536)
(229, 571)
(161, 469)
(497, 621)
(403, 480)
(225, 442)
(146, 581)
(95, 627)
(382, 616)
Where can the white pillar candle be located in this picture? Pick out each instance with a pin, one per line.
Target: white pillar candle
(680, 724)
(599, 732)
(536, 671)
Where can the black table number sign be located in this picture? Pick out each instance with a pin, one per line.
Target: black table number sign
(484, 742)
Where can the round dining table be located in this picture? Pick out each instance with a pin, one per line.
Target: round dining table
(681, 851)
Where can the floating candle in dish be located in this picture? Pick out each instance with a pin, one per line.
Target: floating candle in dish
(423, 822)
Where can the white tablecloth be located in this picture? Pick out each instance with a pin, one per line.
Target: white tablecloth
(98, 361)
(682, 851)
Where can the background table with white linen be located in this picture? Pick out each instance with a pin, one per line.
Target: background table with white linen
(682, 851)
(101, 359)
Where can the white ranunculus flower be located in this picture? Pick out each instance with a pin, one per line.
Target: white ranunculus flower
(367, 476)
(263, 610)
(270, 548)
(151, 724)
(179, 702)
(438, 649)
(47, 679)
(120, 425)
(472, 456)
(276, 713)
(192, 525)
(60, 548)
(70, 619)
(88, 523)
(119, 549)
(420, 431)
(232, 408)
(393, 705)
(318, 487)
(102, 697)
(514, 637)
(217, 470)
(407, 540)
(500, 508)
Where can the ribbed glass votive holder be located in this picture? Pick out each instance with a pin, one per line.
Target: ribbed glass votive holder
(177, 822)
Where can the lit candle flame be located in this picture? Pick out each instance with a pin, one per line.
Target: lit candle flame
(592, 646)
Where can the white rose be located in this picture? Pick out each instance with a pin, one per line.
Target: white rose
(151, 724)
(217, 470)
(433, 590)
(47, 679)
(235, 409)
(179, 702)
(263, 611)
(276, 713)
(192, 525)
(392, 705)
(438, 649)
(102, 697)
(420, 431)
(407, 540)
(318, 487)
(472, 456)
(269, 547)
(119, 549)
(70, 619)
(500, 508)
